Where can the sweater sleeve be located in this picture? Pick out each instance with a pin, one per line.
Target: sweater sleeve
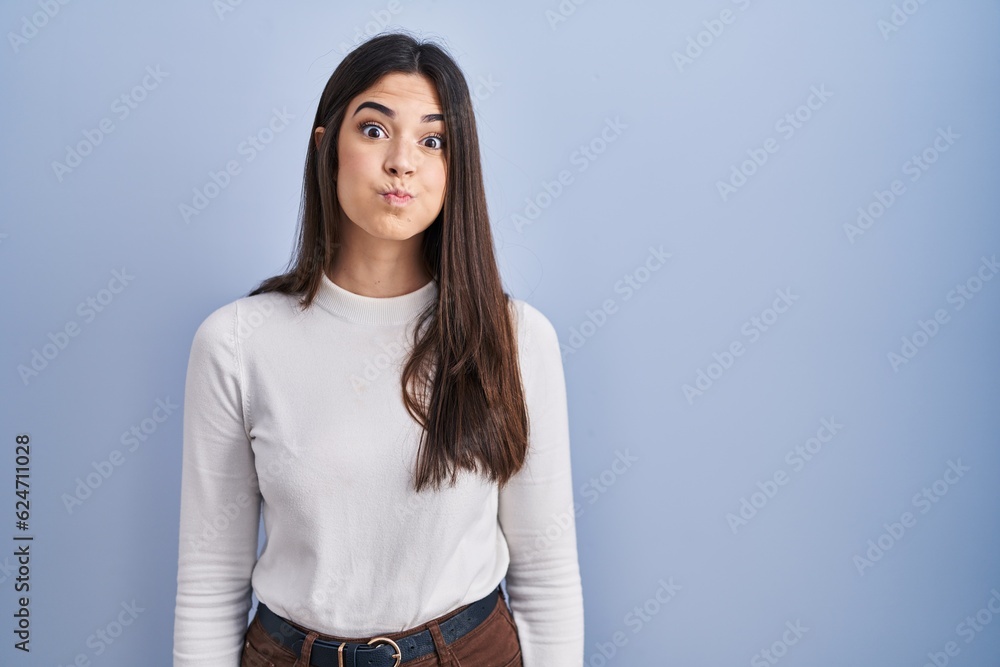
(219, 503)
(536, 513)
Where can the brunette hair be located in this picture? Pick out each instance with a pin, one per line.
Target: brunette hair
(467, 392)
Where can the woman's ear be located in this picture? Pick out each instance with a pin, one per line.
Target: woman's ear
(318, 134)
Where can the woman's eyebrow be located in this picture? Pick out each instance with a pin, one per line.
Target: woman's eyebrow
(429, 118)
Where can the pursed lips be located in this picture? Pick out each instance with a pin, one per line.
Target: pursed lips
(397, 197)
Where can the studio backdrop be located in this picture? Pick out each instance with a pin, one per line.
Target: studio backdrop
(765, 232)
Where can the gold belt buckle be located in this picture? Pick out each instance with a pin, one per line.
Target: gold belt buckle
(398, 655)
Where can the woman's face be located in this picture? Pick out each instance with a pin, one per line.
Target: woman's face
(392, 139)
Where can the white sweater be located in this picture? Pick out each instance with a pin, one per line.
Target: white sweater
(300, 414)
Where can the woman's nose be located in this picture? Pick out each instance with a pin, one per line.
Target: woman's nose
(400, 158)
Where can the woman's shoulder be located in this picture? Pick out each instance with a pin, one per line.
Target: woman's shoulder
(239, 318)
(535, 331)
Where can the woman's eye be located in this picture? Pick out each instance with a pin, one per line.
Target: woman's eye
(366, 129)
(439, 140)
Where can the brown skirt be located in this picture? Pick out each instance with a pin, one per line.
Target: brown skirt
(492, 643)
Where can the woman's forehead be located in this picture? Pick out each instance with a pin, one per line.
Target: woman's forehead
(415, 92)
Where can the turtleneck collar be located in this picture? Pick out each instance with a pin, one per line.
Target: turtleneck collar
(374, 310)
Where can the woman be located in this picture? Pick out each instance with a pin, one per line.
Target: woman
(399, 419)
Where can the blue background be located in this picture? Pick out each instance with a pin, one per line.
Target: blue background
(643, 110)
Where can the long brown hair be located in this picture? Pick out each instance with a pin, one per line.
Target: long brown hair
(462, 382)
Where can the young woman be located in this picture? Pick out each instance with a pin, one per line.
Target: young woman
(399, 419)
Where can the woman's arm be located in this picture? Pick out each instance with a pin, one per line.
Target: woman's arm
(220, 502)
(536, 512)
